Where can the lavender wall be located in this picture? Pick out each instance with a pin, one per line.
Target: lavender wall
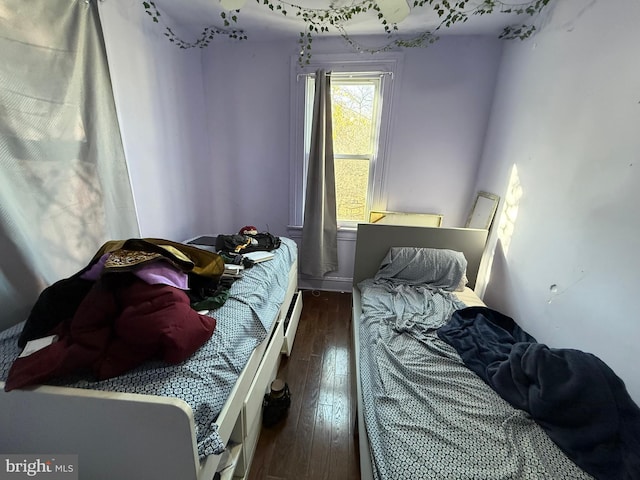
(207, 132)
(440, 122)
(247, 99)
(160, 102)
(566, 115)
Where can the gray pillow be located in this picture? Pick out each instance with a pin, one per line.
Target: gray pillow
(437, 267)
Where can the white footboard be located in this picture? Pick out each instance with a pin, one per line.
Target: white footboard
(115, 435)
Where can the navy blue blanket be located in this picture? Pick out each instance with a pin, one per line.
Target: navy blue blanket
(579, 401)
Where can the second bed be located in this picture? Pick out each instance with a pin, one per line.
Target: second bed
(422, 412)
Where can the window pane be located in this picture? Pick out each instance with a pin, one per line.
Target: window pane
(352, 181)
(352, 107)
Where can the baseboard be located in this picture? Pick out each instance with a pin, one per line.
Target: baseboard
(330, 284)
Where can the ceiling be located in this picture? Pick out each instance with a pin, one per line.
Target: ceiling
(262, 24)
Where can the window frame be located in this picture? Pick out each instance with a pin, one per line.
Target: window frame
(378, 80)
(388, 65)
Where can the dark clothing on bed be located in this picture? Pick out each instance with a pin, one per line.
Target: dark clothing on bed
(117, 325)
(579, 401)
(59, 301)
(55, 304)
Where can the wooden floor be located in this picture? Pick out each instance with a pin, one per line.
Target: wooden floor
(316, 440)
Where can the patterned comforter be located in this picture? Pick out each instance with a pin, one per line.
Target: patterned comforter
(427, 415)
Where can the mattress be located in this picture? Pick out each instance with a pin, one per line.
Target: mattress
(469, 298)
(206, 379)
(426, 414)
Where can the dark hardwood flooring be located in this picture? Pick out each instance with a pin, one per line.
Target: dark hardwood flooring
(316, 440)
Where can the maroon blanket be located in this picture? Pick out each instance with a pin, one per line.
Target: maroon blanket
(115, 328)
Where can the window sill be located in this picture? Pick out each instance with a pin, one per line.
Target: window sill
(344, 233)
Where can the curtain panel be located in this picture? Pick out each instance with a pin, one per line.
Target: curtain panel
(319, 247)
(64, 183)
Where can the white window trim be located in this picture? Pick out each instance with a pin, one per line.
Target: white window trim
(384, 62)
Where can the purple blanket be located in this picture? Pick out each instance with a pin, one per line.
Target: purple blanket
(579, 401)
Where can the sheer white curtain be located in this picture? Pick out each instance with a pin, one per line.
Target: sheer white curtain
(319, 247)
(64, 184)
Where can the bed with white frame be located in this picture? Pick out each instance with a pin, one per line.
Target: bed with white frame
(372, 244)
(427, 440)
(133, 436)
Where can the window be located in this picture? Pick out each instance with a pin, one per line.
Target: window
(361, 98)
(355, 107)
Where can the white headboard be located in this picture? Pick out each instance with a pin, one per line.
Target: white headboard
(374, 240)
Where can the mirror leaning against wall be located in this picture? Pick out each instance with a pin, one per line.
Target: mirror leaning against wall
(483, 210)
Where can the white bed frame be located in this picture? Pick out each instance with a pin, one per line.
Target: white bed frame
(130, 436)
(372, 244)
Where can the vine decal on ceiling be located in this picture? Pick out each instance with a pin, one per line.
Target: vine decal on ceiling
(323, 20)
(208, 33)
